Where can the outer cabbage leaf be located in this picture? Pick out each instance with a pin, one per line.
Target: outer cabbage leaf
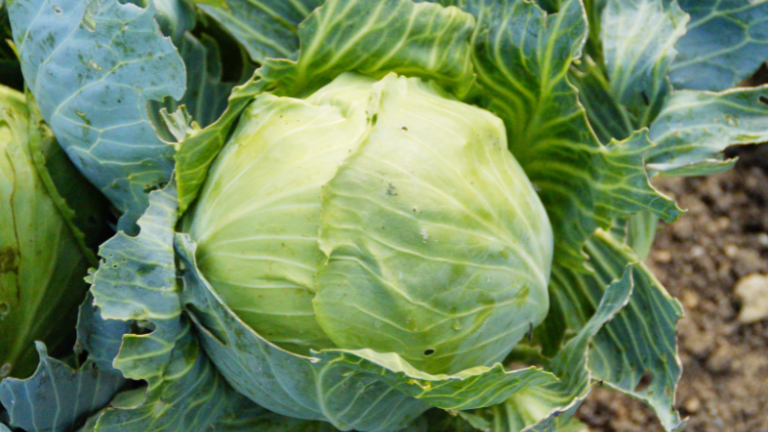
(267, 29)
(207, 95)
(136, 281)
(175, 17)
(100, 337)
(626, 92)
(373, 38)
(637, 232)
(648, 322)
(638, 341)
(727, 41)
(522, 57)
(361, 389)
(609, 119)
(550, 407)
(56, 396)
(638, 44)
(694, 128)
(81, 59)
(242, 418)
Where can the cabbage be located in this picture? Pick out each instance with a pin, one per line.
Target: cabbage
(369, 215)
(376, 214)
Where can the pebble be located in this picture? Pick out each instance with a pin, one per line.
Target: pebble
(692, 405)
(753, 292)
(690, 299)
(663, 256)
(762, 238)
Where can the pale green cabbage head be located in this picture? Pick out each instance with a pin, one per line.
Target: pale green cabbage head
(44, 253)
(376, 214)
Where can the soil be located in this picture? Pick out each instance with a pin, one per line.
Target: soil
(722, 239)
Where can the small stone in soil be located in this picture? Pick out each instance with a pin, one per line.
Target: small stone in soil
(690, 299)
(663, 256)
(692, 405)
(753, 292)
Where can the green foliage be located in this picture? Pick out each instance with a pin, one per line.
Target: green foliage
(416, 216)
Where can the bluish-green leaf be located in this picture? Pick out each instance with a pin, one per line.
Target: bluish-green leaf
(56, 396)
(175, 17)
(694, 128)
(188, 395)
(136, 281)
(641, 230)
(640, 339)
(207, 96)
(93, 66)
(727, 41)
(101, 338)
(625, 84)
(608, 118)
(638, 44)
(266, 28)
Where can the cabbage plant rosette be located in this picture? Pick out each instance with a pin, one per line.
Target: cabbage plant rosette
(410, 205)
(383, 218)
(364, 246)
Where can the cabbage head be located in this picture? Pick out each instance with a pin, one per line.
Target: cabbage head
(44, 253)
(382, 215)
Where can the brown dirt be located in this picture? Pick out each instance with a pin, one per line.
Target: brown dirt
(722, 238)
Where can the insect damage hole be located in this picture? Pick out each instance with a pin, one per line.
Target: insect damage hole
(645, 382)
(429, 352)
